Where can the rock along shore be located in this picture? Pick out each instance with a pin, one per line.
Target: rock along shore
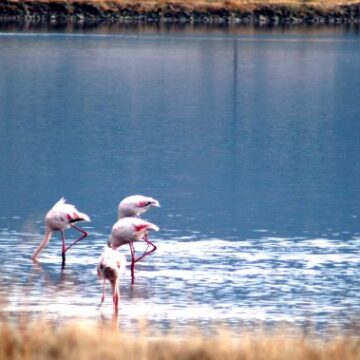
(86, 11)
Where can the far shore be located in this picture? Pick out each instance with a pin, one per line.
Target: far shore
(217, 12)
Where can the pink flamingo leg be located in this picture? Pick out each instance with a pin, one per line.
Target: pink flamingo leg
(103, 294)
(84, 235)
(116, 303)
(148, 242)
(115, 287)
(132, 251)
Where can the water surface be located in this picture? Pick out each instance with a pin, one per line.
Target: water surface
(248, 139)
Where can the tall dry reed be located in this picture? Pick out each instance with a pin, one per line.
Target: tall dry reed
(41, 340)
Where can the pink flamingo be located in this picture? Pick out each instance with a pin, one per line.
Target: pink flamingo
(129, 230)
(110, 267)
(135, 205)
(59, 218)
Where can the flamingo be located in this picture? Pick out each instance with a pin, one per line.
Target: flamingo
(60, 217)
(110, 267)
(129, 230)
(135, 205)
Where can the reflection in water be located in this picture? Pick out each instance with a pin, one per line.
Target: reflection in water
(104, 28)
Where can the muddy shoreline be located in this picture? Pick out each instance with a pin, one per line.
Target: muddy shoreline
(62, 12)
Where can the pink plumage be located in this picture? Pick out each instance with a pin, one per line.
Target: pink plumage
(135, 205)
(129, 230)
(110, 267)
(60, 217)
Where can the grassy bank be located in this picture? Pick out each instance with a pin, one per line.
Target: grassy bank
(79, 341)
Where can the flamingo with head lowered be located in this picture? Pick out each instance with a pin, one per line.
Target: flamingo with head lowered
(129, 230)
(135, 205)
(60, 217)
(110, 267)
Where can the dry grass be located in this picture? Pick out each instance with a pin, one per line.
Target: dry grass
(229, 4)
(149, 5)
(208, 5)
(79, 341)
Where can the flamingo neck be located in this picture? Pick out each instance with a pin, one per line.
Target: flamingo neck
(44, 242)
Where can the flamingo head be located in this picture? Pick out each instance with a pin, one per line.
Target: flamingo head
(111, 265)
(146, 204)
(135, 205)
(143, 228)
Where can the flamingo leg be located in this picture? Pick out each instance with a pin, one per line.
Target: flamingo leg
(103, 294)
(132, 266)
(115, 287)
(84, 235)
(116, 303)
(63, 249)
(149, 243)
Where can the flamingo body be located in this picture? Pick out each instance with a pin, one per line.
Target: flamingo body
(62, 215)
(129, 230)
(135, 205)
(59, 218)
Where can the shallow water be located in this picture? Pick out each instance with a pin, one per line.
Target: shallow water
(248, 139)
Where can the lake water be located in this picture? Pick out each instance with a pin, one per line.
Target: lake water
(248, 138)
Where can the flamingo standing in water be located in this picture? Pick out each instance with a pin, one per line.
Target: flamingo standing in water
(110, 267)
(60, 217)
(129, 230)
(135, 205)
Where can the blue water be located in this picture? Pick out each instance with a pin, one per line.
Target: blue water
(249, 139)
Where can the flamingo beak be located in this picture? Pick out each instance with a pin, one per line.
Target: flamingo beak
(154, 227)
(155, 203)
(144, 227)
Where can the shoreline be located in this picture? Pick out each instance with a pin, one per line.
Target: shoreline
(70, 12)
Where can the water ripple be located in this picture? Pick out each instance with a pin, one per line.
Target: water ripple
(265, 279)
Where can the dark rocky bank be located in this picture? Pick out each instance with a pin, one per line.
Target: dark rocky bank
(77, 12)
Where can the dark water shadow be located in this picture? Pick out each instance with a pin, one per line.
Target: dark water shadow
(101, 27)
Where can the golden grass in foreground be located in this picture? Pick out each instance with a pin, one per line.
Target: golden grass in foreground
(79, 341)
